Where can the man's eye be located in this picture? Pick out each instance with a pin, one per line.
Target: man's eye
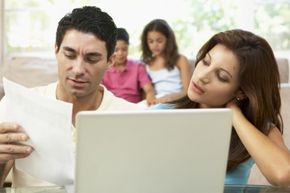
(92, 60)
(70, 56)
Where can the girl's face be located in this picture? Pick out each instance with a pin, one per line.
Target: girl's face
(121, 52)
(156, 42)
(215, 80)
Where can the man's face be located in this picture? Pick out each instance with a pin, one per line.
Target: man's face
(82, 61)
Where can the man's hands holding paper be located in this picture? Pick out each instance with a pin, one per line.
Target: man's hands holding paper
(11, 142)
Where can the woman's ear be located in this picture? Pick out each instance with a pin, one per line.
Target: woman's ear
(240, 95)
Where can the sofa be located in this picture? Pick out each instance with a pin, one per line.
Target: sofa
(256, 176)
(29, 71)
(35, 71)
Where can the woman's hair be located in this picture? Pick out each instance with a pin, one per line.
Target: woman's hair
(259, 80)
(170, 52)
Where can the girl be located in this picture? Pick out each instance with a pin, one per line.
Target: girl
(169, 71)
(237, 69)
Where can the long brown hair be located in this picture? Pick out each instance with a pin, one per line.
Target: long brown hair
(170, 52)
(259, 80)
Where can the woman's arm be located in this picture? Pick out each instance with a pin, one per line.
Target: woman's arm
(269, 152)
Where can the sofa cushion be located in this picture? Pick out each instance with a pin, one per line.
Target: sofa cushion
(30, 71)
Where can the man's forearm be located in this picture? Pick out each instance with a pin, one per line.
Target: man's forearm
(4, 170)
(2, 174)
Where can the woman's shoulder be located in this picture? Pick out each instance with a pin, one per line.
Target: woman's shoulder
(160, 106)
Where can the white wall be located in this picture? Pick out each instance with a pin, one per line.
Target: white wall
(1, 45)
(1, 38)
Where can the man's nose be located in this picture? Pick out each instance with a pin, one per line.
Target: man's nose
(78, 66)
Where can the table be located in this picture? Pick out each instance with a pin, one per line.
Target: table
(228, 189)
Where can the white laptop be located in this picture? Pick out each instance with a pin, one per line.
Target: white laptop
(158, 151)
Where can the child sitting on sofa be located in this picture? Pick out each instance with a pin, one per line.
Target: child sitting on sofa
(127, 78)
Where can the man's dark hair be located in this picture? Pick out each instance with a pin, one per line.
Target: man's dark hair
(89, 19)
(122, 34)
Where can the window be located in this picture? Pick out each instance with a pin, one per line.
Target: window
(30, 25)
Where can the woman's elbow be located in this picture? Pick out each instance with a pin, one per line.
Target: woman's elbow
(281, 178)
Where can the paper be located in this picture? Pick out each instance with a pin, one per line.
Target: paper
(48, 124)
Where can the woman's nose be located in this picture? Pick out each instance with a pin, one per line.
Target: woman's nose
(204, 77)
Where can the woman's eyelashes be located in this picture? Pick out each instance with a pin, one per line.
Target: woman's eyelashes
(219, 72)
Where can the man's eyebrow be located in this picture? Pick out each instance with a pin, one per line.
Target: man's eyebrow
(68, 49)
(94, 54)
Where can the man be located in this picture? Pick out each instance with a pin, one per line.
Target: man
(85, 41)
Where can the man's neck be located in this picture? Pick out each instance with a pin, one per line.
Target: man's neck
(88, 103)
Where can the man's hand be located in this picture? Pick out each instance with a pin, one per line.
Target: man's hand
(11, 137)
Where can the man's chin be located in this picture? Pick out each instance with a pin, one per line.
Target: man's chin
(78, 93)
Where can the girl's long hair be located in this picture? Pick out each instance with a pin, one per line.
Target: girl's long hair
(259, 80)
(170, 52)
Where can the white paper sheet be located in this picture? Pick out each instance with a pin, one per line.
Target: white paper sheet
(48, 124)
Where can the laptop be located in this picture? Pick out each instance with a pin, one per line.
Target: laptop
(154, 151)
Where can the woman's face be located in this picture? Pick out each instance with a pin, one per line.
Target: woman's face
(156, 42)
(215, 80)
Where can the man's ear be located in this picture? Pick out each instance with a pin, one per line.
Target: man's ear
(240, 95)
(111, 61)
(56, 49)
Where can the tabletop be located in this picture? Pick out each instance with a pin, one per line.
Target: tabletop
(227, 189)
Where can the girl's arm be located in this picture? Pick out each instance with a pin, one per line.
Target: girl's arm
(269, 152)
(183, 65)
(149, 94)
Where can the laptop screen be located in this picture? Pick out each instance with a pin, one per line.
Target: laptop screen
(160, 151)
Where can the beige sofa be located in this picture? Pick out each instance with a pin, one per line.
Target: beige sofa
(256, 177)
(29, 71)
(33, 71)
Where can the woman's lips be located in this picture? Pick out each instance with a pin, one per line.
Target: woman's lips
(197, 89)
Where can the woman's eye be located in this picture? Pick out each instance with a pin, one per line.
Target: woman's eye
(223, 78)
(205, 62)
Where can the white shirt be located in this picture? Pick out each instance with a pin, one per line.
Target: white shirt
(109, 103)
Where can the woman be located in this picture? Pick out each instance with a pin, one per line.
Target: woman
(237, 69)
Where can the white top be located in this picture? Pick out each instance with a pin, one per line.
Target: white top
(166, 81)
(109, 103)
